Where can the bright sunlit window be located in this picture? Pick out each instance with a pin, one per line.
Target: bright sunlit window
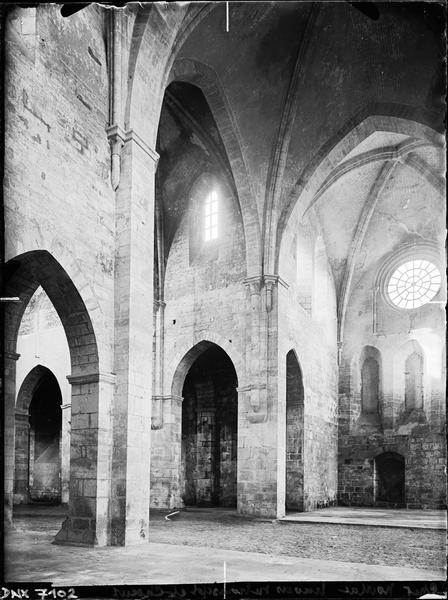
(414, 283)
(211, 217)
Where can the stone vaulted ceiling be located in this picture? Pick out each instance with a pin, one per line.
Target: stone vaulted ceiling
(294, 76)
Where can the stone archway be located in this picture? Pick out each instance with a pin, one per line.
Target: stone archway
(209, 431)
(167, 477)
(205, 78)
(38, 425)
(23, 275)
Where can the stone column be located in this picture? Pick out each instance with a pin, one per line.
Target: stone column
(65, 453)
(10, 360)
(87, 523)
(22, 457)
(133, 340)
(260, 459)
(159, 335)
(166, 449)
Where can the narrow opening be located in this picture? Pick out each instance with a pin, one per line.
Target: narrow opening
(211, 217)
(294, 434)
(414, 382)
(370, 386)
(44, 442)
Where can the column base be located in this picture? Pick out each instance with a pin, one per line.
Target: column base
(69, 535)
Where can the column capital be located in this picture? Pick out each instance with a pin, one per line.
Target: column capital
(117, 139)
(11, 355)
(115, 133)
(257, 282)
(254, 284)
(91, 378)
(271, 280)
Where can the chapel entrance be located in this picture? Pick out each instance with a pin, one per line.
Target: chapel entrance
(390, 480)
(38, 439)
(209, 431)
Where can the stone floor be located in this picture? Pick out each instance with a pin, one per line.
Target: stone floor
(199, 545)
(422, 519)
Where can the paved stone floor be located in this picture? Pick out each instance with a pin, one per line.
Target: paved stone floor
(422, 519)
(177, 552)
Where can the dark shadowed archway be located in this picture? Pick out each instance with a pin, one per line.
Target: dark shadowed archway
(38, 438)
(209, 429)
(38, 419)
(390, 480)
(294, 433)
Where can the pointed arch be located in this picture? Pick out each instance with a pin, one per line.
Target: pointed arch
(23, 275)
(180, 30)
(189, 357)
(394, 118)
(205, 78)
(29, 385)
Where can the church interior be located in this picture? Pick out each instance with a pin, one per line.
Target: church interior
(224, 267)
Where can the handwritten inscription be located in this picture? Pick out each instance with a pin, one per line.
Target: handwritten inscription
(39, 593)
(366, 590)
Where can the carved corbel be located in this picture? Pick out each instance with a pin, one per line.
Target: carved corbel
(270, 281)
(116, 137)
(254, 284)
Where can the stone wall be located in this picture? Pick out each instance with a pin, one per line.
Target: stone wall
(424, 454)
(407, 345)
(57, 177)
(313, 339)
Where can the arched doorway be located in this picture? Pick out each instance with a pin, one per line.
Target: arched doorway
(209, 431)
(294, 433)
(23, 275)
(390, 480)
(37, 476)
